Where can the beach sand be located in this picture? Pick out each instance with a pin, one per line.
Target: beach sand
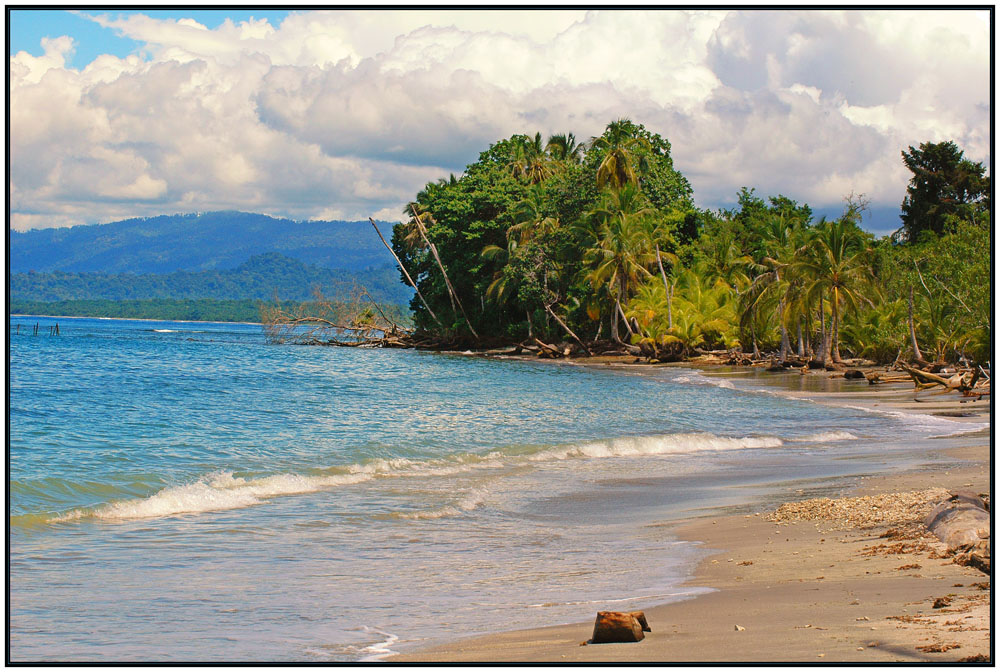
(813, 583)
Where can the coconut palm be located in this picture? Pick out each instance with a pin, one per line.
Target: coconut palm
(705, 310)
(623, 155)
(774, 288)
(564, 147)
(619, 253)
(836, 263)
(530, 218)
(876, 332)
(529, 161)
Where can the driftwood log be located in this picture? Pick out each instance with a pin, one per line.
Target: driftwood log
(960, 520)
(963, 523)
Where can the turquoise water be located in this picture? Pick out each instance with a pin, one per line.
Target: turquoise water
(184, 492)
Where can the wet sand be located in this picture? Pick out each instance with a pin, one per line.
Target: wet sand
(816, 583)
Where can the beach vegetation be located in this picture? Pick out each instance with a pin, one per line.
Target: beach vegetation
(601, 242)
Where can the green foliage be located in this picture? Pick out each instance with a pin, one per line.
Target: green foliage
(944, 185)
(951, 281)
(608, 230)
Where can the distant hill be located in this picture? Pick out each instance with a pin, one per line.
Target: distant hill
(260, 277)
(196, 242)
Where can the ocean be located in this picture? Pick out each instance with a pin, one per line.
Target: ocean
(186, 492)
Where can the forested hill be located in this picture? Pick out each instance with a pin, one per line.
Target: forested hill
(195, 242)
(260, 277)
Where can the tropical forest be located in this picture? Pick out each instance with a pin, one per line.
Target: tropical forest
(564, 246)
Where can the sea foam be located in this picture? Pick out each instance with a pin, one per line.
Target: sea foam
(220, 491)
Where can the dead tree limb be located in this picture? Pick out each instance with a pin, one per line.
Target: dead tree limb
(451, 290)
(568, 330)
(408, 278)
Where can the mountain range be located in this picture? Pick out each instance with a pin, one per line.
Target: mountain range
(217, 255)
(196, 242)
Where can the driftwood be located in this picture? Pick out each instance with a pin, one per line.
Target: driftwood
(965, 383)
(546, 350)
(963, 523)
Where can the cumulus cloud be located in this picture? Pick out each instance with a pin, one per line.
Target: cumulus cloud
(348, 113)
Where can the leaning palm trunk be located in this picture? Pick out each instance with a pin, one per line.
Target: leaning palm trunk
(628, 327)
(666, 286)
(568, 330)
(913, 332)
(785, 345)
(835, 329)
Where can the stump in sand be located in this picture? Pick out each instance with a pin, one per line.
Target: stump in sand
(617, 626)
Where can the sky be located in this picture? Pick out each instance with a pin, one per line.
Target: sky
(345, 114)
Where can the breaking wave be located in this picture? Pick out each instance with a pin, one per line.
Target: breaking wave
(220, 491)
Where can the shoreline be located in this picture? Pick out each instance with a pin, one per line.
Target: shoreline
(857, 602)
(130, 319)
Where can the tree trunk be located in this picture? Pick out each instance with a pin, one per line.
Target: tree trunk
(527, 314)
(786, 347)
(666, 286)
(835, 328)
(753, 332)
(408, 278)
(913, 332)
(825, 343)
(451, 290)
(802, 344)
(628, 327)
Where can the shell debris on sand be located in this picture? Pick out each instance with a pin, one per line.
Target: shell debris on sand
(861, 512)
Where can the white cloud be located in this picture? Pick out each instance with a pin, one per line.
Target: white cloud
(348, 113)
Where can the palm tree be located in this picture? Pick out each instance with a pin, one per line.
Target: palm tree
(530, 219)
(623, 155)
(773, 287)
(529, 160)
(619, 252)
(660, 237)
(563, 147)
(705, 310)
(836, 262)
(725, 261)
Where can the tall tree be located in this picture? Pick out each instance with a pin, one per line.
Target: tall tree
(619, 252)
(943, 184)
(622, 154)
(564, 147)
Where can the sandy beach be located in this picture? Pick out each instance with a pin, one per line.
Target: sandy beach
(854, 579)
